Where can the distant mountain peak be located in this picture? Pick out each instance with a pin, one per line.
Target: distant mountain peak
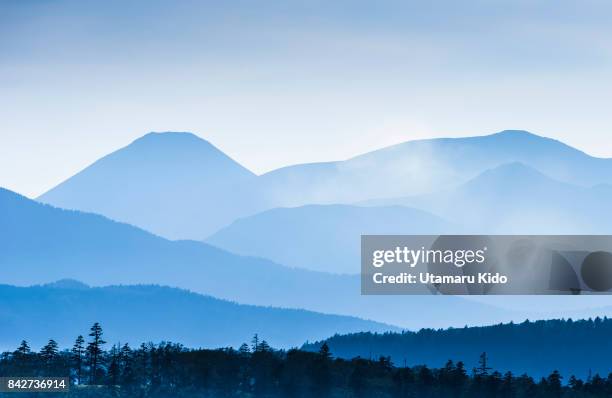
(523, 137)
(72, 284)
(514, 171)
(174, 184)
(514, 168)
(509, 176)
(518, 133)
(169, 140)
(171, 135)
(513, 137)
(178, 148)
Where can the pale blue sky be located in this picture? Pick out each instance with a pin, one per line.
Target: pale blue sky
(279, 82)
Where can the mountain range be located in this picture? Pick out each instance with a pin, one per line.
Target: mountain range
(42, 243)
(289, 238)
(517, 199)
(168, 184)
(431, 165)
(322, 237)
(510, 199)
(179, 186)
(133, 314)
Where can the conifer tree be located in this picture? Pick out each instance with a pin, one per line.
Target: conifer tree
(22, 355)
(255, 343)
(244, 350)
(483, 368)
(126, 356)
(94, 351)
(23, 349)
(321, 374)
(264, 346)
(78, 350)
(554, 384)
(324, 351)
(49, 352)
(113, 368)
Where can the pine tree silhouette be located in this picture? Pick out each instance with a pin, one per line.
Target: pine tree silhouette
(255, 343)
(78, 350)
(483, 368)
(49, 352)
(23, 349)
(166, 369)
(94, 351)
(324, 351)
(244, 350)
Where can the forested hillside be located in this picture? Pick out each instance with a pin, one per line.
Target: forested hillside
(147, 312)
(257, 370)
(537, 348)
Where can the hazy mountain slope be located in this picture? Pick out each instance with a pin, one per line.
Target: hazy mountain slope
(321, 237)
(423, 166)
(516, 199)
(536, 348)
(41, 244)
(152, 313)
(173, 184)
(180, 186)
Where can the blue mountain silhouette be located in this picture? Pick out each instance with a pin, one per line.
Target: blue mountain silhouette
(322, 237)
(180, 186)
(173, 184)
(189, 188)
(517, 199)
(425, 166)
(153, 313)
(41, 243)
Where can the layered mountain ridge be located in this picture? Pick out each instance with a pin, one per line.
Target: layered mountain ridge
(42, 243)
(132, 314)
(179, 186)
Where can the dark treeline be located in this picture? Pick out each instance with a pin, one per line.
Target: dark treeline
(257, 370)
(536, 348)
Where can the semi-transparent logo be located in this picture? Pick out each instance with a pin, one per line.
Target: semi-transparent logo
(486, 264)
